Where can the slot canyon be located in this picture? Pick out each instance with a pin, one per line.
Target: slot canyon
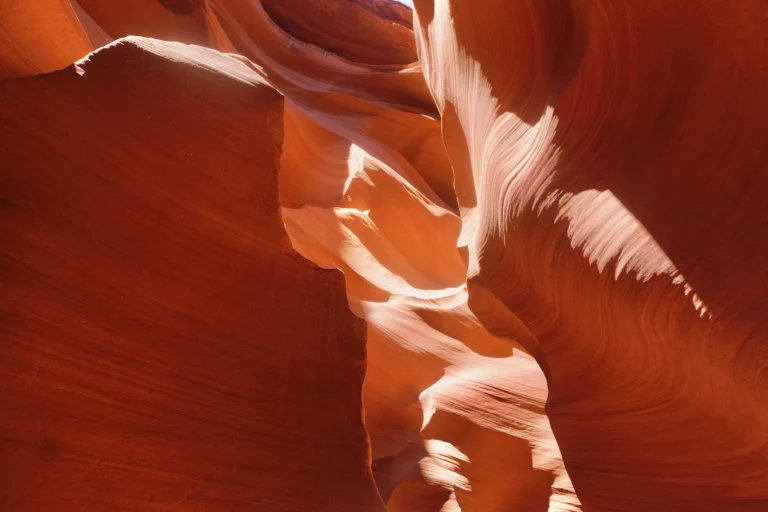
(353, 256)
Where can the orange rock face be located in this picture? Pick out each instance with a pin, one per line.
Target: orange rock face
(160, 339)
(550, 216)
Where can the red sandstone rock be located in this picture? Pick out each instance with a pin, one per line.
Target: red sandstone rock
(556, 214)
(162, 347)
(367, 32)
(38, 37)
(612, 200)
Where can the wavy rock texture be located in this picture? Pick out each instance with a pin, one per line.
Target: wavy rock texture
(597, 200)
(552, 223)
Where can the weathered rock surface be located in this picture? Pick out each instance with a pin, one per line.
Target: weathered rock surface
(552, 222)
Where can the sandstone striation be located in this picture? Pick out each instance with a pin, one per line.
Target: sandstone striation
(550, 216)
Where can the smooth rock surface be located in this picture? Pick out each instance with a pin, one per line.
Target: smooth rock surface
(551, 216)
(163, 347)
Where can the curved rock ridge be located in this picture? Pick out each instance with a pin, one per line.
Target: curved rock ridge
(550, 216)
(367, 32)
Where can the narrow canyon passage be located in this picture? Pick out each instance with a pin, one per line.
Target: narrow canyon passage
(476, 256)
